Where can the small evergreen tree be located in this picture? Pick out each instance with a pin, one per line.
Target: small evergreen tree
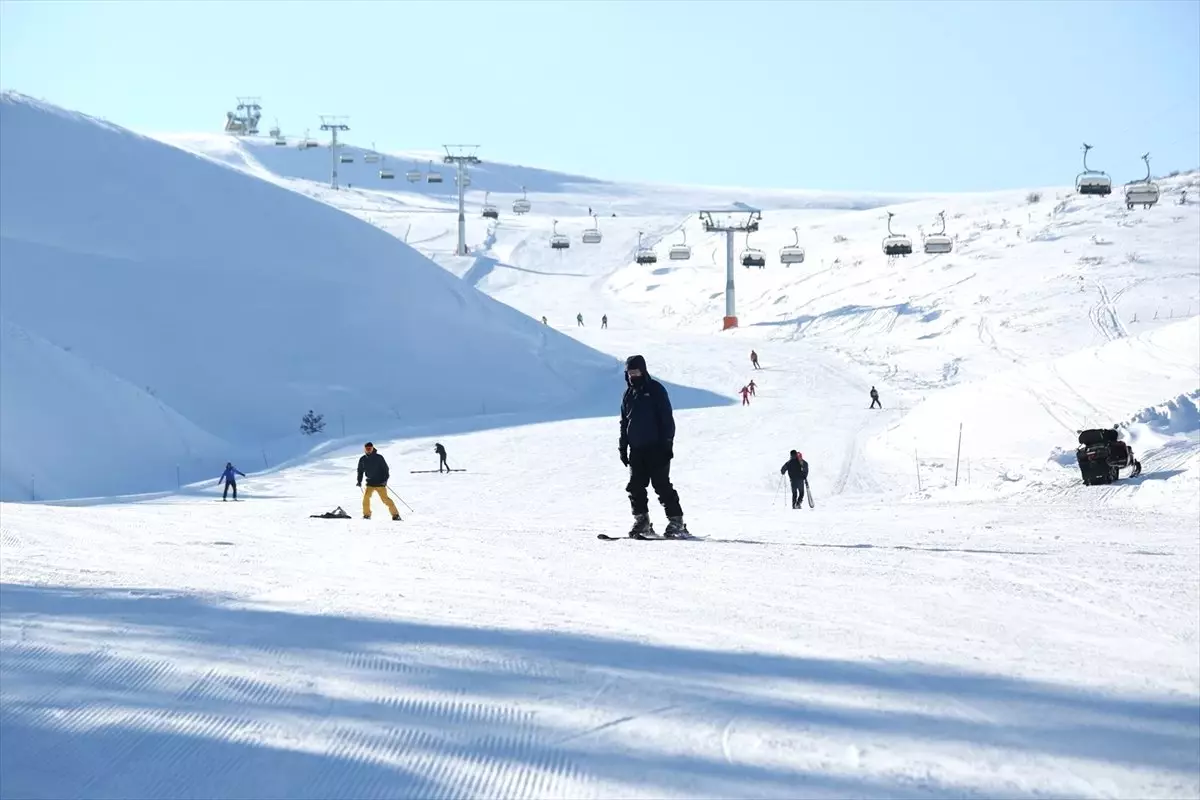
(312, 423)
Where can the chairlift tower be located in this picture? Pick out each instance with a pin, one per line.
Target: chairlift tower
(462, 156)
(738, 218)
(333, 125)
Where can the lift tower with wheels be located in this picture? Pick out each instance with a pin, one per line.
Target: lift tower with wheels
(334, 125)
(462, 156)
(738, 218)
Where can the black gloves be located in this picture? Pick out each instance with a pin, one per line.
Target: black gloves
(625, 456)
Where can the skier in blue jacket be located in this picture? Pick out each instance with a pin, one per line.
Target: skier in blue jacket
(229, 481)
(647, 447)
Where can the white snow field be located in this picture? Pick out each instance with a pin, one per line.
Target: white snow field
(1017, 635)
(228, 308)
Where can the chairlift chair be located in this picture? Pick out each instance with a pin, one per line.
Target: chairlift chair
(1143, 193)
(345, 158)
(1092, 181)
(385, 173)
(645, 255)
(895, 244)
(592, 235)
(280, 141)
(523, 205)
(681, 251)
(752, 256)
(431, 176)
(938, 243)
(489, 210)
(373, 158)
(414, 175)
(558, 241)
(792, 253)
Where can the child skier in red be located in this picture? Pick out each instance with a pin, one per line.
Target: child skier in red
(745, 395)
(752, 392)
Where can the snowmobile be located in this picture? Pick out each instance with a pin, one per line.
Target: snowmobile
(1102, 456)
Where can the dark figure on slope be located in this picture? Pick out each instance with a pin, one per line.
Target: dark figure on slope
(797, 471)
(441, 451)
(754, 359)
(604, 321)
(227, 477)
(745, 392)
(751, 387)
(875, 399)
(579, 320)
(374, 468)
(647, 447)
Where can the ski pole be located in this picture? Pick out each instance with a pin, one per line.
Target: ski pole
(401, 499)
(778, 486)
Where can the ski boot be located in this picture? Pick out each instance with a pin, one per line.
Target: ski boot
(642, 529)
(676, 529)
(395, 517)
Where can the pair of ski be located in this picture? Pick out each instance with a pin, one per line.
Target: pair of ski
(687, 537)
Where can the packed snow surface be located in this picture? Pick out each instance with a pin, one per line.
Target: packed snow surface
(945, 622)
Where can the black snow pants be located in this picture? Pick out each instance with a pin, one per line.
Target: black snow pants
(651, 466)
(875, 402)
(229, 485)
(797, 494)
(442, 464)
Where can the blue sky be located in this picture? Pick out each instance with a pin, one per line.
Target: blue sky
(888, 96)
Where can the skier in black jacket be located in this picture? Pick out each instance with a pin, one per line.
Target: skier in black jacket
(373, 466)
(647, 447)
(441, 451)
(797, 471)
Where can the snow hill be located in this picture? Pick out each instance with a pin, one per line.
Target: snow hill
(1008, 633)
(221, 309)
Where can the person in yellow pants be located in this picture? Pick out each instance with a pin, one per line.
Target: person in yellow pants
(374, 468)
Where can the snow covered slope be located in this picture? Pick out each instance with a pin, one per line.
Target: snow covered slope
(239, 307)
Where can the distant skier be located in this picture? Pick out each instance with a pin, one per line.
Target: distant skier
(227, 477)
(752, 388)
(797, 471)
(544, 322)
(579, 320)
(745, 392)
(374, 468)
(647, 447)
(875, 399)
(441, 451)
(604, 321)
(754, 359)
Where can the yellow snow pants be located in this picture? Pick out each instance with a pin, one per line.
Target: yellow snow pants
(383, 495)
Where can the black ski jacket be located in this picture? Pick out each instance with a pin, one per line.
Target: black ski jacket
(646, 417)
(374, 468)
(797, 470)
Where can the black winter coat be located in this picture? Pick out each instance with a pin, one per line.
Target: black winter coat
(374, 468)
(646, 418)
(797, 470)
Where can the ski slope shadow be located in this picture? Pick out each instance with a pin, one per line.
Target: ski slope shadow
(120, 692)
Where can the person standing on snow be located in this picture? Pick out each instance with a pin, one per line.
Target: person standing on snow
(647, 446)
(229, 481)
(544, 321)
(754, 359)
(875, 399)
(441, 451)
(579, 320)
(604, 321)
(745, 392)
(751, 386)
(797, 471)
(374, 468)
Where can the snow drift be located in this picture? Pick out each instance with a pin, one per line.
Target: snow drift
(234, 307)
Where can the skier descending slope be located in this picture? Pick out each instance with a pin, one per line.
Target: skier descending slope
(797, 471)
(647, 447)
(227, 477)
(373, 466)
